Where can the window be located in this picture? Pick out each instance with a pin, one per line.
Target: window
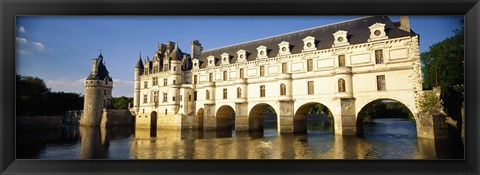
(155, 69)
(224, 75)
(262, 91)
(309, 65)
(210, 77)
(165, 67)
(341, 85)
(195, 79)
(155, 81)
(189, 97)
(145, 98)
(195, 96)
(104, 92)
(379, 56)
(225, 93)
(241, 73)
(166, 110)
(310, 88)
(164, 82)
(145, 84)
(146, 71)
(165, 97)
(284, 67)
(207, 95)
(283, 89)
(262, 71)
(174, 82)
(155, 96)
(239, 92)
(381, 86)
(341, 60)
(173, 98)
(174, 68)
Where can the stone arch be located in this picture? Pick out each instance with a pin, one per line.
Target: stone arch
(300, 117)
(200, 118)
(153, 119)
(364, 107)
(255, 116)
(225, 118)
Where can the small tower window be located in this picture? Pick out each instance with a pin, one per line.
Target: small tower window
(283, 89)
(104, 92)
(145, 99)
(379, 56)
(239, 92)
(165, 96)
(225, 94)
(225, 76)
(241, 73)
(207, 95)
(195, 79)
(262, 91)
(195, 96)
(341, 85)
(284, 67)
(145, 84)
(309, 65)
(262, 71)
(210, 77)
(310, 88)
(381, 85)
(165, 82)
(341, 60)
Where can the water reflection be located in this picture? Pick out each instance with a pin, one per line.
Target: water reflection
(385, 139)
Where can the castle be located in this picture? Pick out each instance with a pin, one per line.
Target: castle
(345, 66)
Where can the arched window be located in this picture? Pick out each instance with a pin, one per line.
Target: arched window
(341, 85)
(239, 92)
(283, 89)
(207, 95)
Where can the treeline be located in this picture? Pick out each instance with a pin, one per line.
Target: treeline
(382, 109)
(33, 97)
(443, 65)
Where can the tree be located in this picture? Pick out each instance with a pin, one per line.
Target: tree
(443, 65)
(121, 102)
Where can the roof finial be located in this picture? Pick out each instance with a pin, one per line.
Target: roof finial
(140, 53)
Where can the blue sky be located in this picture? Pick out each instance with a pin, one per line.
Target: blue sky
(59, 49)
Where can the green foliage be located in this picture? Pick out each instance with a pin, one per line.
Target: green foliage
(121, 102)
(430, 102)
(386, 109)
(443, 65)
(320, 109)
(33, 97)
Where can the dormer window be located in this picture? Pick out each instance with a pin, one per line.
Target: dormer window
(262, 52)
(377, 32)
(225, 58)
(211, 61)
(196, 64)
(340, 38)
(284, 48)
(309, 43)
(242, 55)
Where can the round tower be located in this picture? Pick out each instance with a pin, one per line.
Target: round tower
(175, 77)
(137, 84)
(98, 93)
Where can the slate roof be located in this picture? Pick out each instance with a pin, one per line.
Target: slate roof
(102, 72)
(357, 32)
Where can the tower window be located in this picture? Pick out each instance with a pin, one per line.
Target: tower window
(166, 111)
(165, 96)
(155, 81)
(239, 92)
(210, 77)
(173, 98)
(207, 95)
(341, 85)
(262, 91)
(283, 89)
(174, 82)
(262, 71)
(225, 94)
(195, 78)
(145, 84)
(224, 75)
(189, 97)
(341, 60)
(241, 73)
(379, 56)
(104, 92)
(155, 96)
(310, 88)
(145, 99)
(165, 82)
(381, 85)
(284, 67)
(195, 96)
(309, 65)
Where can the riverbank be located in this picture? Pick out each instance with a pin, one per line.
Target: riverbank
(34, 122)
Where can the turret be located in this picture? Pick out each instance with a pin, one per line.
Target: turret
(136, 96)
(196, 48)
(98, 93)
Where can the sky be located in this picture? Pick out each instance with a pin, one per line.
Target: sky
(60, 49)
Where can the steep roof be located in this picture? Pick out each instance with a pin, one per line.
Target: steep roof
(357, 32)
(102, 71)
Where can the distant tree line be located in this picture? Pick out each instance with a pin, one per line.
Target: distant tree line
(382, 109)
(33, 97)
(443, 65)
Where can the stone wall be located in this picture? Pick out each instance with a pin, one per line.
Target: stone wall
(110, 117)
(39, 122)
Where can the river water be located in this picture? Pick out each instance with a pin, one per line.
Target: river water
(382, 139)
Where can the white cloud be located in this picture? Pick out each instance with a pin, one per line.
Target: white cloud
(120, 87)
(21, 29)
(25, 47)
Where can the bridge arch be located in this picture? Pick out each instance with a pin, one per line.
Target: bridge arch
(300, 117)
(200, 118)
(363, 111)
(225, 117)
(256, 116)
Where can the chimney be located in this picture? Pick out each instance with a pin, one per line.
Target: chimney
(196, 48)
(405, 23)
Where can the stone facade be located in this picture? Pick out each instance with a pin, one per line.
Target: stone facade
(344, 66)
